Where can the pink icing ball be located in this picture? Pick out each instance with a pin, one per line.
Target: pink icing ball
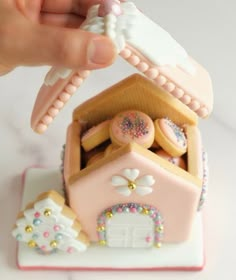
(133, 210)
(109, 6)
(56, 228)
(46, 234)
(37, 214)
(119, 210)
(148, 239)
(70, 250)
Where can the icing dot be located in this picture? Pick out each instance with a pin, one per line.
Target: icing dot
(178, 92)
(77, 81)
(126, 53)
(84, 74)
(46, 234)
(160, 80)
(126, 209)
(56, 228)
(70, 250)
(109, 215)
(134, 60)
(158, 245)
(18, 237)
(53, 244)
(58, 104)
(142, 67)
(119, 210)
(152, 73)
(186, 99)
(145, 211)
(47, 212)
(47, 119)
(32, 244)
(160, 228)
(101, 228)
(148, 239)
(41, 128)
(53, 112)
(64, 97)
(140, 209)
(37, 214)
(70, 89)
(169, 86)
(203, 112)
(37, 222)
(43, 247)
(194, 105)
(28, 229)
(58, 236)
(133, 210)
(102, 242)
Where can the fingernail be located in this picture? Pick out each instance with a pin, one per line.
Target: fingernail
(101, 51)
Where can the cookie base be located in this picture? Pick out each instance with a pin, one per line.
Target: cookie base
(187, 255)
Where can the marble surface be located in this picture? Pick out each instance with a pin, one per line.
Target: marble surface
(204, 28)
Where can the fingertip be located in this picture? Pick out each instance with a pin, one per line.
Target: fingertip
(101, 52)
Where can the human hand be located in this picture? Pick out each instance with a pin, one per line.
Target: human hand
(45, 32)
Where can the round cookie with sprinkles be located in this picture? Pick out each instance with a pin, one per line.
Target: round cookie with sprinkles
(170, 137)
(132, 126)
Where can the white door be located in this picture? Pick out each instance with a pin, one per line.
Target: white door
(132, 230)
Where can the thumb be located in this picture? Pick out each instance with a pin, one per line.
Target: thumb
(71, 48)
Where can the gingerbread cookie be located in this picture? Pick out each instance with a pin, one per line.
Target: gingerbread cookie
(95, 158)
(48, 225)
(170, 137)
(110, 149)
(132, 126)
(95, 136)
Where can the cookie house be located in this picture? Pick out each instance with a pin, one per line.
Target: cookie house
(134, 171)
(176, 192)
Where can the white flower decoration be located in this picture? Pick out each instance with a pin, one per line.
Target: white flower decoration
(130, 182)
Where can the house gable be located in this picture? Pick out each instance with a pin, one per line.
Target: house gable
(137, 93)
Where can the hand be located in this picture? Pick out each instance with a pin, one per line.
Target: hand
(45, 32)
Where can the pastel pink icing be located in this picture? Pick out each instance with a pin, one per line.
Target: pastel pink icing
(87, 199)
(132, 126)
(173, 132)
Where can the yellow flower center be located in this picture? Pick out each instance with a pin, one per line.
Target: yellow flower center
(131, 185)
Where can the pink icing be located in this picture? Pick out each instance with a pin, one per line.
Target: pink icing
(132, 126)
(87, 199)
(197, 86)
(173, 132)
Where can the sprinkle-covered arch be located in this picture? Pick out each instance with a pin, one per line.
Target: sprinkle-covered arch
(148, 210)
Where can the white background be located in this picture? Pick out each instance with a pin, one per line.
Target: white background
(206, 29)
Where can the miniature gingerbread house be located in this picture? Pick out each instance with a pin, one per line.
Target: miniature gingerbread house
(108, 217)
(132, 196)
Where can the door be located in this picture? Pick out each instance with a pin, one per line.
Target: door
(132, 230)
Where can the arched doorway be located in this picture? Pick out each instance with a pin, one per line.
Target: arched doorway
(130, 225)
